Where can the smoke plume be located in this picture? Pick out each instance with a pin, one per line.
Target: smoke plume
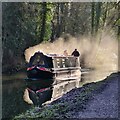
(100, 52)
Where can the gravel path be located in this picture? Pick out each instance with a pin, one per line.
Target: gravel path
(104, 104)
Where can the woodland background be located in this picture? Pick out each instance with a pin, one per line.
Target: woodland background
(26, 24)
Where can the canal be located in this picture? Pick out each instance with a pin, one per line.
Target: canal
(13, 88)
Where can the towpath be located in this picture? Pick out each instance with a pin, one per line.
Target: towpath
(103, 104)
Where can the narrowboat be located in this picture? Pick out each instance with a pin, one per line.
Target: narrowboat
(53, 66)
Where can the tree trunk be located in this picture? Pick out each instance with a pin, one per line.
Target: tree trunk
(98, 13)
(52, 37)
(119, 20)
(92, 18)
(44, 8)
(61, 17)
(58, 21)
(105, 15)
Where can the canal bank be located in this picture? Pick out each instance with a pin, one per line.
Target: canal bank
(92, 100)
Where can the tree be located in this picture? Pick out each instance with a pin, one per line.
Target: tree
(43, 24)
(92, 17)
(98, 15)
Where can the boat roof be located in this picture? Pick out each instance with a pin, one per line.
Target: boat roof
(57, 55)
(52, 55)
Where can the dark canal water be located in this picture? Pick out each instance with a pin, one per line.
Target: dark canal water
(13, 89)
(12, 95)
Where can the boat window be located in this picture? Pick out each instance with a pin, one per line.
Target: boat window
(39, 59)
(66, 62)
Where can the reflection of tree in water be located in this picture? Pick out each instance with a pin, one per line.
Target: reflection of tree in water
(12, 96)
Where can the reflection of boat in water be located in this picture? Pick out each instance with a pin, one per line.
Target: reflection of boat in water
(45, 70)
(39, 90)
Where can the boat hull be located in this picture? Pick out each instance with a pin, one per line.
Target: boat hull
(37, 73)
